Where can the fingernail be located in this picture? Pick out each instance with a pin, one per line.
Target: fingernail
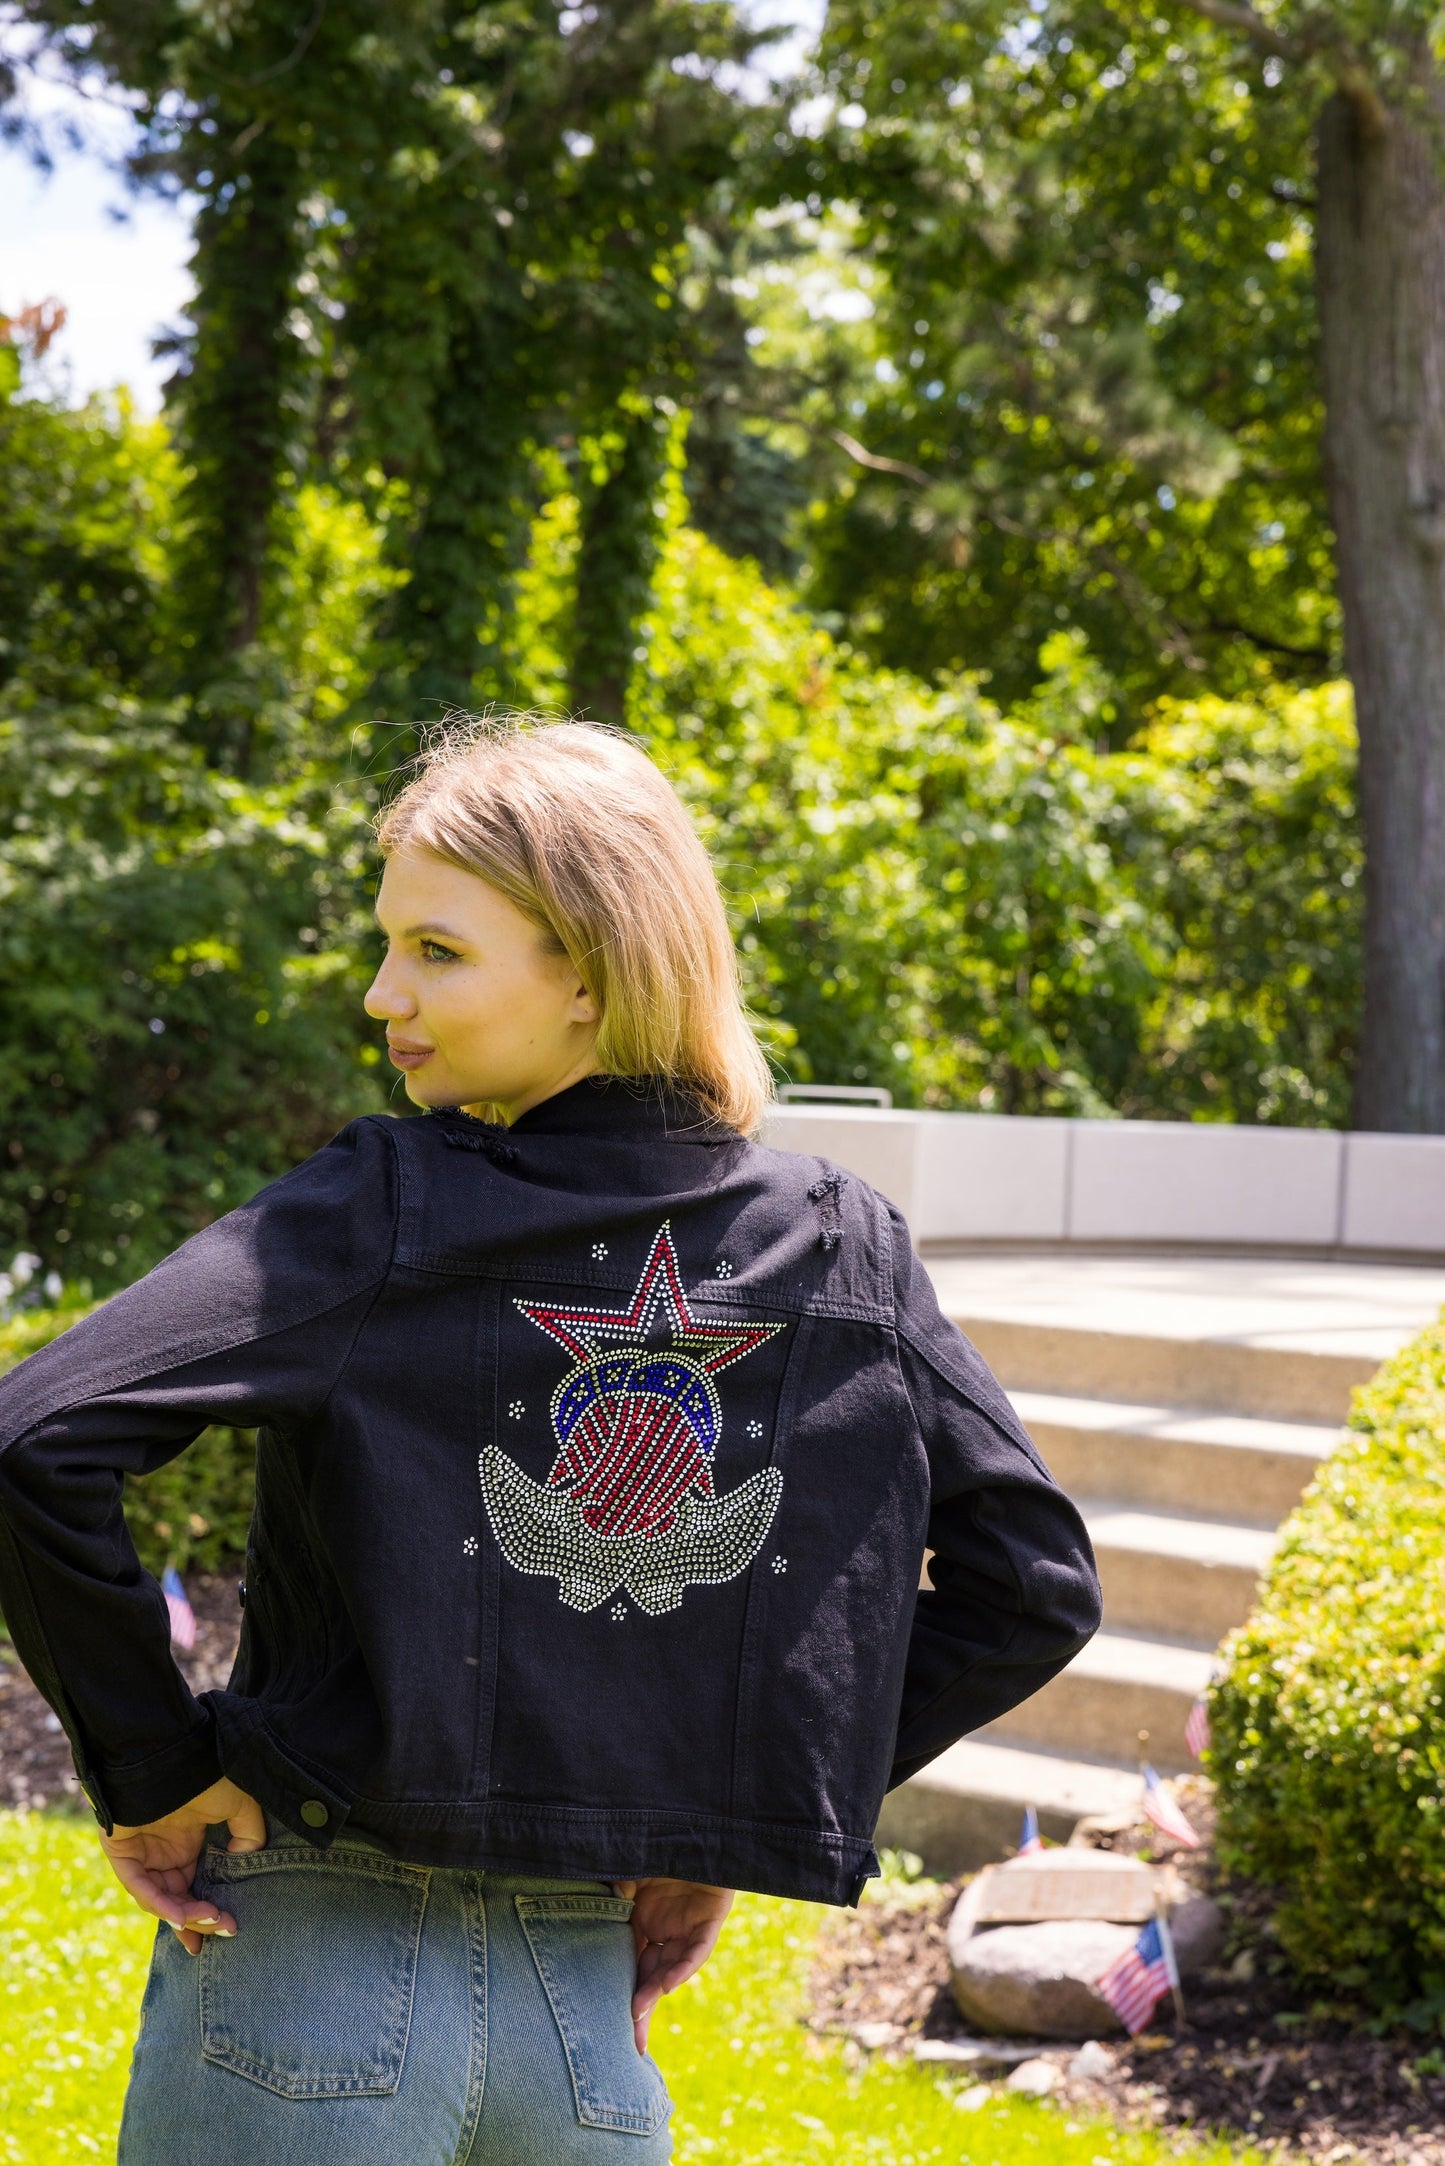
(225, 1932)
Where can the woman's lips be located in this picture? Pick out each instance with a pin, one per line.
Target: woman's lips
(409, 1056)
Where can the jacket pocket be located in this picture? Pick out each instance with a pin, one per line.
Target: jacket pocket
(312, 1999)
(583, 1949)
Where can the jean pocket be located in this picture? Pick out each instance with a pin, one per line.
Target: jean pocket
(583, 1948)
(313, 1997)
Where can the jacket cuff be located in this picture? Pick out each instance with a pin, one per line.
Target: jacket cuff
(147, 1789)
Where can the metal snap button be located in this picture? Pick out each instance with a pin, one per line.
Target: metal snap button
(314, 1813)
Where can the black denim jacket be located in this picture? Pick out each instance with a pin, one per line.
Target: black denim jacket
(596, 1465)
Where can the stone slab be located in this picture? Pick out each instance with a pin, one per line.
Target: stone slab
(1394, 1193)
(1201, 1182)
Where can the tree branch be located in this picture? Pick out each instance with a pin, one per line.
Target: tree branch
(879, 465)
(1326, 43)
(1249, 25)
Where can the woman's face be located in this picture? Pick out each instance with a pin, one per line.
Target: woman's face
(476, 1009)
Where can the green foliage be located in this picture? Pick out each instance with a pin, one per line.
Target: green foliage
(180, 982)
(1263, 891)
(73, 1956)
(973, 907)
(85, 515)
(1095, 371)
(621, 527)
(428, 242)
(1329, 1737)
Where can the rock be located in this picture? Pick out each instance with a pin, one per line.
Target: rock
(1092, 2063)
(873, 2037)
(1197, 1930)
(974, 2053)
(1040, 1979)
(970, 2100)
(1034, 2079)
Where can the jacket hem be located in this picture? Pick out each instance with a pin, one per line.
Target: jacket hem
(765, 1857)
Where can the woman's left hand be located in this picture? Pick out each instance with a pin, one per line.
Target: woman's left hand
(675, 1924)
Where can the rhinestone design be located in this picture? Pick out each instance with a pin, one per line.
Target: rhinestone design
(599, 1250)
(630, 1501)
(618, 1610)
(724, 1269)
(469, 1546)
(780, 1564)
(516, 1409)
(755, 1428)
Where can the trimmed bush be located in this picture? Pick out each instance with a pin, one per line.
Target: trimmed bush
(1329, 1736)
(192, 1513)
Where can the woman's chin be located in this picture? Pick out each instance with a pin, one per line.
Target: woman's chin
(427, 1090)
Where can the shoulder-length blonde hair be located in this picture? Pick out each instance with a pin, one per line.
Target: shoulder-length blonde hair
(573, 823)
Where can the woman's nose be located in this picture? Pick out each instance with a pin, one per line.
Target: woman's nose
(387, 1000)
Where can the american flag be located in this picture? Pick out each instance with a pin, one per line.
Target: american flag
(1160, 1807)
(1136, 1981)
(1030, 1839)
(183, 1617)
(1196, 1729)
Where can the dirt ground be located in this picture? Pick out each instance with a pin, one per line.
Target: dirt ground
(1249, 2062)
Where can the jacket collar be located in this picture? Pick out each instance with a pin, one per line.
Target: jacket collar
(609, 1105)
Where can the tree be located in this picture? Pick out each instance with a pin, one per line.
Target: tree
(1094, 175)
(431, 237)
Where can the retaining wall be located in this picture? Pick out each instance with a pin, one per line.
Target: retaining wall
(986, 1177)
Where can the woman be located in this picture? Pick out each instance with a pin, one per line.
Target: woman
(599, 1450)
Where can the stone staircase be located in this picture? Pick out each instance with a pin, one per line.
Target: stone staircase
(1184, 1447)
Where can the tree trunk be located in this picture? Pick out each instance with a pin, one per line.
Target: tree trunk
(1381, 274)
(452, 617)
(615, 563)
(235, 412)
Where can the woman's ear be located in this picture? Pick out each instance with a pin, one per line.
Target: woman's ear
(584, 1007)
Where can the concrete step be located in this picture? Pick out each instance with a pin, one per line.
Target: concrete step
(1180, 1458)
(1280, 1383)
(967, 1806)
(1121, 1685)
(1175, 1573)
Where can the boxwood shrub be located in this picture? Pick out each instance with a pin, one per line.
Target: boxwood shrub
(1329, 1722)
(192, 1513)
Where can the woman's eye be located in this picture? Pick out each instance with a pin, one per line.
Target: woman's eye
(434, 952)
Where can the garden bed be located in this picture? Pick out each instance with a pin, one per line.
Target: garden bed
(1250, 2062)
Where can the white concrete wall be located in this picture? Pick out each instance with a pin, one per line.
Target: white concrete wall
(988, 1177)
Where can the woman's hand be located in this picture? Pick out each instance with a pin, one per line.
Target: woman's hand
(675, 1924)
(156, 1864)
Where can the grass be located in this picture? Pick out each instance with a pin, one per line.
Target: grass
(752, 2087)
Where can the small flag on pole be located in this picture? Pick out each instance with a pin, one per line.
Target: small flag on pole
(1196, 1729)
(1160, 1807)
(1136, 1981)
(1030, 1839)
(183, 1617)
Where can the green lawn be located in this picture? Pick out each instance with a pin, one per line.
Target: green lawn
(752, 2087)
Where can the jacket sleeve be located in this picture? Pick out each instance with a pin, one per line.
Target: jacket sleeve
(250, 1322)
(1014, 1592)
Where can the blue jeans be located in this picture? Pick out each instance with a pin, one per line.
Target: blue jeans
(371, 2013)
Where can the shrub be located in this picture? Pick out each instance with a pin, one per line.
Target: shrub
(1329, 1737)
(182, 963)
(192, 1513)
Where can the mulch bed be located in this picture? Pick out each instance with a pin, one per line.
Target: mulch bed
(1251, 2061)
(35, 1768)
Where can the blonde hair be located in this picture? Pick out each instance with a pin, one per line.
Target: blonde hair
(573, 823)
